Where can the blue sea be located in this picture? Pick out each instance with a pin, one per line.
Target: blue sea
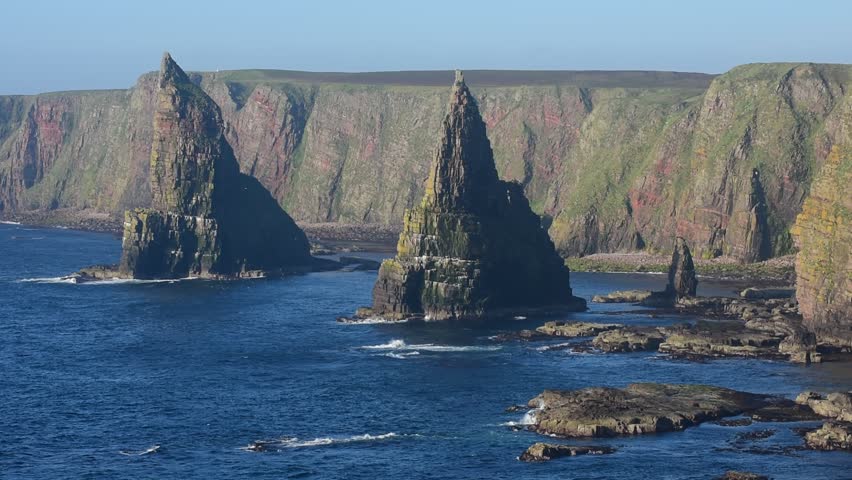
(174, 379)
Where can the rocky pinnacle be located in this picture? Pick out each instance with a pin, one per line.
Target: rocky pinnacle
(682, 281)
(473, 247)
(208, 219)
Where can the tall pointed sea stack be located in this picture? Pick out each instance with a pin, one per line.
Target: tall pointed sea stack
(472, 247)
(207, 219)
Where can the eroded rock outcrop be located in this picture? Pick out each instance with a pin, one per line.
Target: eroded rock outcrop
(831, 436)
(207, 219)
(639, 408)
(823, 232)
(559, 328)
(543, 452)
(835, 405)
(682, 280)
(472, 247)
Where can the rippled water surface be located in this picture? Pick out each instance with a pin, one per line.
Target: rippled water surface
(95, 377)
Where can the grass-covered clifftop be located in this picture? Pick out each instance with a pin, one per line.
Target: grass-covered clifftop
(617, 160)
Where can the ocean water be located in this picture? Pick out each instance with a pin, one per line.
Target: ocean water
(175, 379)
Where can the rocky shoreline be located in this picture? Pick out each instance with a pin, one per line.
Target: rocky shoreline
(775, 271)
(650, 408)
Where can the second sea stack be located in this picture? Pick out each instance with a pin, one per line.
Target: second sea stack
(473, 247)
(208, 219)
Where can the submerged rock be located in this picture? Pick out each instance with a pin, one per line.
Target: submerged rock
(735, 475)
(639, 408)
(823, 233)
(472, 247)
(542, 452)
(575, 329)
(208, 219)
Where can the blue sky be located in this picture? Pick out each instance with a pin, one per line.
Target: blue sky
(89, 44)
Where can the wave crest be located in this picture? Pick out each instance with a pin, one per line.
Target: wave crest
(294, 442)
(398, 344)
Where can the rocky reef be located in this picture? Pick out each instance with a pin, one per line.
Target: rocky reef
(640, 408)
(836, 433)
(208, 219)
(473, 247)
(823, 232)
(543, 452)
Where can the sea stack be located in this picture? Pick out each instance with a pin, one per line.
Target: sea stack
(473, 247)
(207, 219)
(823, 233)
(682, 281)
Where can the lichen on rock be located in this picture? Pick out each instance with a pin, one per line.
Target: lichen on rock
(823, 233)
(472, 247)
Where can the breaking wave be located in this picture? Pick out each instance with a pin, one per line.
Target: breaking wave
(403, 355)
(114, 281)
(294, 442)
(9, 222)
(153, 449)
(397, 344)
(370, 321)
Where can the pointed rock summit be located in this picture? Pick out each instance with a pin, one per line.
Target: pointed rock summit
(682, 280)
(208, 219)
(472, 247)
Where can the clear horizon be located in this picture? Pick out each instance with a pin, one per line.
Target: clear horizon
(97, 44)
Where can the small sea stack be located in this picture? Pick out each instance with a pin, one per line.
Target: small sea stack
(472, 248)
(682, 280)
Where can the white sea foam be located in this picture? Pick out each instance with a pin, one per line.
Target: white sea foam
(113, 281)
(293, 442)
(9, 222)
(528, 418)
(398, 344)
(372, 321)
(152, 449)
(555, 346)
(403, 355)
(48, 280)
(520, 317)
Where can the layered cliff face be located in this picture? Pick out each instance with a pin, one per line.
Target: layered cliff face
(208, 219)
(472, 247)
(617, 163)
(824, 263)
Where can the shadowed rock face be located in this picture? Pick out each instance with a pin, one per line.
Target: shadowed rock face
(823, 233)
(472, 246)
(682, 281)
(208, 218)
